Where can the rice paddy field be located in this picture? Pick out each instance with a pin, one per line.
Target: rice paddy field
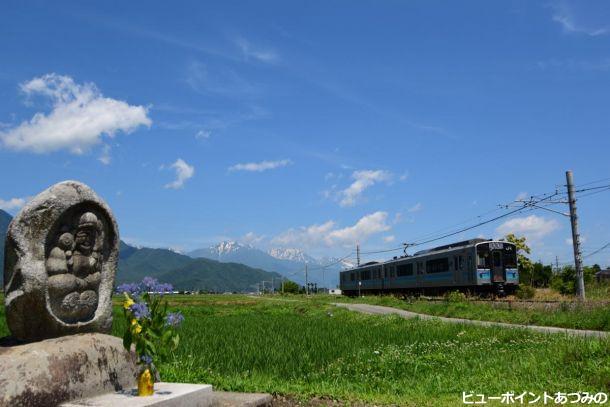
(308, 349)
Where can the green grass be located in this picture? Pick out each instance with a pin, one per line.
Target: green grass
(590, 315)
(308, 348)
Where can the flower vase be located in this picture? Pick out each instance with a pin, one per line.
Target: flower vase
(146, 383)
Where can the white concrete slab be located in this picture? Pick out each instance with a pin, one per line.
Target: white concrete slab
(166, 395)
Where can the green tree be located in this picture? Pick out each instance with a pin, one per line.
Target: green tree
(541, 275)
(526, 269)
(565, 281)
(291, 287)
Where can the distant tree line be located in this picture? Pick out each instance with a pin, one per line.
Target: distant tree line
(542, 276)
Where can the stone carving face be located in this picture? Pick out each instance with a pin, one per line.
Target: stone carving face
(60, 261)
(73, 268)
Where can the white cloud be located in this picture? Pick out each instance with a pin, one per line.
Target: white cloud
(521, 196)
(183, 173)
(13, 203)
(367, 225)
(203, 134)
(575, 19)
(416, 208)
(105, 157)
(260, 166)
(389, 239)
(404, 176)
(328, 235)
(362, 180)
(80, 116)
(533, 227)
(251, 238)
(249, 51)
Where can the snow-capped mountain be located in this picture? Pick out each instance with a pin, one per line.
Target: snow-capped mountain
(288, 262)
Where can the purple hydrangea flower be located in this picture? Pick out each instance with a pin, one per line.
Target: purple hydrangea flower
(174, 319)
(140, 310)
(146, 359)
(149, 283)
(164, 288)
(132, 289)
(152, 285)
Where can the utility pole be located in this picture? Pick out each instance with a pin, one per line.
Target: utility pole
(358, 255)
(580, 284)
(282, 284)
(306, 281)
(272, 285)
(556, 265)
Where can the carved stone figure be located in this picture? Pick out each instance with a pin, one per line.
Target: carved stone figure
(61, 256)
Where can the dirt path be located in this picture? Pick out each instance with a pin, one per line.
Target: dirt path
(377, 309)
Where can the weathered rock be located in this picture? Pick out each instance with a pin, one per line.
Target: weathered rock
(52, 371)
(61, 255)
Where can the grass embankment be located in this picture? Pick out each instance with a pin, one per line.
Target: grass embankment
(309, 348)
(590, 315)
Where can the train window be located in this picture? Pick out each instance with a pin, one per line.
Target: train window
(437, 265)
(461, 262)
(484, 262)
(509, 257)
(352, 276)
(365, 275)
(455, 263)
(420, 268)
(404, 270)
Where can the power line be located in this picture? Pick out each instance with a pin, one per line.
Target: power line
(468, 228)
(598, 250)
(594, 182)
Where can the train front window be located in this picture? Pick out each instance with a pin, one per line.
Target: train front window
(509, 256)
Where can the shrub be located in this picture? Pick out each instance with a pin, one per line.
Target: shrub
(525, 292)
(455, 296)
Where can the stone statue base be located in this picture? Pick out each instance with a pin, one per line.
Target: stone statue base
(53, 371)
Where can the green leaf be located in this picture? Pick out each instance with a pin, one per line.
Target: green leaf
(127, 339)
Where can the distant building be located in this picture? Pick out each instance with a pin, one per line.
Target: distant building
(603, 275)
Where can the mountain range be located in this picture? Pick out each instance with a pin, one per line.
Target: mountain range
(183, 272)
(288, 262)
(187, 273)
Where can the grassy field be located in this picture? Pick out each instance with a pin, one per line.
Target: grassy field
(308, 348)
(590, 315)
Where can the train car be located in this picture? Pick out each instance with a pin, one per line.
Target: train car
(476, 265)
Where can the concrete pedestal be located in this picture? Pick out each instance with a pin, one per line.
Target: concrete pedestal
(176, 395)
(166, 395)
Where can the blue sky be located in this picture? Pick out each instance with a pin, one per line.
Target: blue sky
(310, 124)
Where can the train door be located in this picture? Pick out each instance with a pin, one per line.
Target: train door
(497, 270)
(455, 269)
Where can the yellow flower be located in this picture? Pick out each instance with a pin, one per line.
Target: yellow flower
(137, 328)
(128, 303)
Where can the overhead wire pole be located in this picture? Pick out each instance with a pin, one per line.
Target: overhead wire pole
(306, 281)
(580, 283)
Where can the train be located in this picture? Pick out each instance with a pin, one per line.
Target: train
(478, 266)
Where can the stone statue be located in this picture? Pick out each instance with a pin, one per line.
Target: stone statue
(61, 256)
(73, 267)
